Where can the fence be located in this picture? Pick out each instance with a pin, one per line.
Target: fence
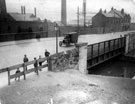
(55, 62)
(23, 66)
(103, 51)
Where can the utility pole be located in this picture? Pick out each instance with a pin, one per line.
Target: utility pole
(78, 17)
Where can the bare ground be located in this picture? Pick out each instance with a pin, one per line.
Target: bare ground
(69, 87)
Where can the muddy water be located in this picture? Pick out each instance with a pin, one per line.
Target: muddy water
(115, 68)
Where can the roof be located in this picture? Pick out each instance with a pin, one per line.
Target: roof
(5, 17)
(111, 15)
(118, 13)
(115, 13)
(59, 23)
(24, 17)
(71, 33)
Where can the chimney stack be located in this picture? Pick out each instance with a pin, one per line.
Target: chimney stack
(105, 11)
(84, 6)
(21, 9)
(24, 10)
(63, 12)
(122, 11)
(112, 8)
(100, 11)
(3, 6)
(35, 12)
(84, 12)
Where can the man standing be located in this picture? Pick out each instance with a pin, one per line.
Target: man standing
(40, 63)
(25, 59)
(17, 74)
(35, 65)
(47, 53)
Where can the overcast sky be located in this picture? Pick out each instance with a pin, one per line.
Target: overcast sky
(51, 9)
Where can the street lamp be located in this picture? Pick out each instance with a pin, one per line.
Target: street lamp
(56, 29)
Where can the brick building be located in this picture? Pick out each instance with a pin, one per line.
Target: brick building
(113, 20)
(20, 25)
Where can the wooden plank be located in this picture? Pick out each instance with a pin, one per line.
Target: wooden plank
(15, 67)
(42, 59)
(29, 63)
(3, 70)
(14, 75)
(8, 76)
(30, 70)
(43, 66)
(24, 70)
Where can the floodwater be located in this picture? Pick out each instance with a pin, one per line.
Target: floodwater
(116, 68)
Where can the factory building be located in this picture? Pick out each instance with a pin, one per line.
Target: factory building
(20, 24)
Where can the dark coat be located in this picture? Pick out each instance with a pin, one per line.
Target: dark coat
(47, 54)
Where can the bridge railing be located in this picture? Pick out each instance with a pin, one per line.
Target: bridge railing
(103, 51)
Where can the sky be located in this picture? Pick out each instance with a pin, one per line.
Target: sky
(51, 9)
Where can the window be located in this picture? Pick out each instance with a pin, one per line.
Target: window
(29, 29)
(41, 29)
(19, 29)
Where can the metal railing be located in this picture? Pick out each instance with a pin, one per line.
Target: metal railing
(103, 51)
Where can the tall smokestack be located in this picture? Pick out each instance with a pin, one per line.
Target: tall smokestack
(35, 12)
(63, 12)
(3, 6)
(24, 10)
(84, 12)
(21, 9)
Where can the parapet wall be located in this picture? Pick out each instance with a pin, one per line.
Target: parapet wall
(64, 60)
(130, 42)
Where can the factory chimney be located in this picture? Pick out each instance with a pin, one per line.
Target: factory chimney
(84, 12)
(63, 12)
(21, 9)
(35, 12)
(3, 6)
(24, 10)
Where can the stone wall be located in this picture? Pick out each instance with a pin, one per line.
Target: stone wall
(65, 60)
(130, 42)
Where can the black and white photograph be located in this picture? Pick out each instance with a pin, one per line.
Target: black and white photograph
(67, 51)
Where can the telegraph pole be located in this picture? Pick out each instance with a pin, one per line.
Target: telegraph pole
(78, 19)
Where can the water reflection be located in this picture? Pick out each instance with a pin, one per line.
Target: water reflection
(115, 68)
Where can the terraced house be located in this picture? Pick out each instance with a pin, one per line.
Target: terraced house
(113, 20)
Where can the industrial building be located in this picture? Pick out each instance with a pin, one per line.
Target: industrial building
(20, 24)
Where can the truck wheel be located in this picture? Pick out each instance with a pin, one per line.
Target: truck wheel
(60, 43)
